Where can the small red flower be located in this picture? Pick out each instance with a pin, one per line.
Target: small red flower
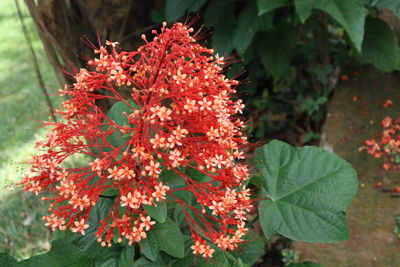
(387, 103)
(386, 122)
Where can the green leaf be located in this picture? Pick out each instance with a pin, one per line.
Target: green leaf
(159, 213)
(349, 14)
(6, 260)
(265, 6)
(143, 262)
(174, 9)
(380, 46)
(116, 114)
(169, 238)
(276, 49)
(188, 260)
(220, 15)
(248, 24)
(172, 179)
(88, 242)
(58, 234)
(149, 246)
(218, 259)
(251, 249)
(185, 262)
(116, 110)
(110, 257)
(103, 256)
(393, 5)
(219, 12)
(110, 192)
(308, 190)
(304, 264)
(62, 253)
(127, 257)
(198, 176)
(222, 39)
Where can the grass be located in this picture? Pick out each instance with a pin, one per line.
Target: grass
(22, 107)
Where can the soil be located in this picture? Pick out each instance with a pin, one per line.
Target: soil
(354, 115)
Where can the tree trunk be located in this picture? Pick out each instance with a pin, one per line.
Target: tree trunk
(62, 25)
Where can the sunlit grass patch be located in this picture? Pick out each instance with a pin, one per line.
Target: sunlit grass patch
(22, 107)
(22, 232)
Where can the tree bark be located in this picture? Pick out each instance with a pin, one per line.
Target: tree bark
(64, 24)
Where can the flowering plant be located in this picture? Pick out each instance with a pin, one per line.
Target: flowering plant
(167, 163)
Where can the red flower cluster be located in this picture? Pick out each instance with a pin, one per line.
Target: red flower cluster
(387, 145)
(182, 116)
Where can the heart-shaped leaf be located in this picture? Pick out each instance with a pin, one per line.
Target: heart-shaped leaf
(169, 238)
(308, 190)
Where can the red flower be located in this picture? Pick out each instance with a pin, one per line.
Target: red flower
(183, 117)
(386, 122)
(387, 103)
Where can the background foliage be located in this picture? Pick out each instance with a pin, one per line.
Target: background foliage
(292, 53)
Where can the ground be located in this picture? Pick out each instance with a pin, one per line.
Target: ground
(354, 116)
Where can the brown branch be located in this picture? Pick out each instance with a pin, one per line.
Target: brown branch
(35, 62)
(47, 40)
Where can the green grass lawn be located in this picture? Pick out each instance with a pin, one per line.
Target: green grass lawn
(22, 107)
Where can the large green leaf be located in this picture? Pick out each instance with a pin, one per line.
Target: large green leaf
(174, 9)
(248, 24)
(188, 260)
(110, 257)
(393, 5)
(115, 113)
(380, 46)
(308, 190)
(349, 14)
(62, 253)
(149, 246)
(219, 12)
(222, 38)
(169, 238)
(126, 258)
(159, 213)
(276, 49)
(265, 6)
(6, 260)
(220, 15)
